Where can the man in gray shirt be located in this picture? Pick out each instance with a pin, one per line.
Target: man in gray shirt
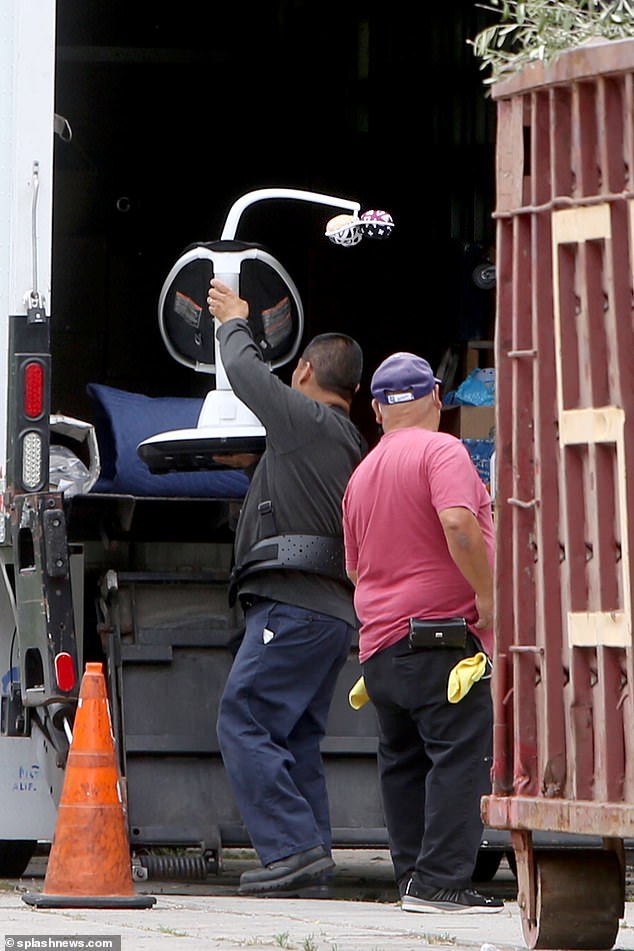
(291, 582)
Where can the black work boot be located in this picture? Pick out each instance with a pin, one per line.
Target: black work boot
(289, 876)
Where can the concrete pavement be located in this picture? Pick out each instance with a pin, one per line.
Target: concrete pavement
(189, 923)
(209, 916)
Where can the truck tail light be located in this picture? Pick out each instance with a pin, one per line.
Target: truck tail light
(64, 671)
(33, 395)
(29, 414)
(31, 460)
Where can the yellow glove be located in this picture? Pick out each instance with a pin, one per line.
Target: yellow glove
(358, 695)
(463, 676)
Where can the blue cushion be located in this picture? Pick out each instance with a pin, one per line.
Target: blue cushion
(123, 420)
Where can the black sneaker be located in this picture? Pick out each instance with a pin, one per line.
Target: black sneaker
(284, 878)
(462, 901)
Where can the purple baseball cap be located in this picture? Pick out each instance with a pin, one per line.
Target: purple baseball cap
(402, 377)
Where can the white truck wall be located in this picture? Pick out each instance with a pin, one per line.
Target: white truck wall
(30, 781)
(27, 73)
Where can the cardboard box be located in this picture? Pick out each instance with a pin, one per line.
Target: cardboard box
(468, 422)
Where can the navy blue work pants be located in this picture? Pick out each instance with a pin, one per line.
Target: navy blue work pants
(434, 762)
(273, 715)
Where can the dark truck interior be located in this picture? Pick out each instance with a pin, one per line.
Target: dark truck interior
(175, 115)
(168, 115)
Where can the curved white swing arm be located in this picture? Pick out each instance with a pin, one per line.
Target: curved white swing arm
(264, 194)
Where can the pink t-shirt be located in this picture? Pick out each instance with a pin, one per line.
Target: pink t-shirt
(395, 541)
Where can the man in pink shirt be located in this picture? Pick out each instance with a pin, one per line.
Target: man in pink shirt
(419, 544)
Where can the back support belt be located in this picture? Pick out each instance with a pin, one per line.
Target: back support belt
(317, 554)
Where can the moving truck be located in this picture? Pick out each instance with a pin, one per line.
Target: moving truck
(105, 558)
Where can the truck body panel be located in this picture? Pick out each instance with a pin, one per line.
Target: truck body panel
(26, 157)
(29, 762)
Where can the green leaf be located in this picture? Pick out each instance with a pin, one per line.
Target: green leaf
(541, 29)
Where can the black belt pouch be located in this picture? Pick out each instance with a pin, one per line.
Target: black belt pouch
(426, 633)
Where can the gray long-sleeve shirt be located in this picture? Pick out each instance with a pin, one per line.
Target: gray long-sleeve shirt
(311, 450)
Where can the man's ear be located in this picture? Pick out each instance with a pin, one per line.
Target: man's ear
(304, 370)
(376, 406)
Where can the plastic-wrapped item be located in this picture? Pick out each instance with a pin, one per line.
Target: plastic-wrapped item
(74, 463)
(67, 473)
(481, 451)
(478, 389)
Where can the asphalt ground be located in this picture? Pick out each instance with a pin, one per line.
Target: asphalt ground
(361, 914)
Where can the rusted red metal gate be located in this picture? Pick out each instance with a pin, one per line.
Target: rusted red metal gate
(564, 676)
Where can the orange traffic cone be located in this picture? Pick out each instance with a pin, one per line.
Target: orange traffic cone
(89, 864)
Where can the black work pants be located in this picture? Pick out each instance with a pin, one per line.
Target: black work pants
(434, 762)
